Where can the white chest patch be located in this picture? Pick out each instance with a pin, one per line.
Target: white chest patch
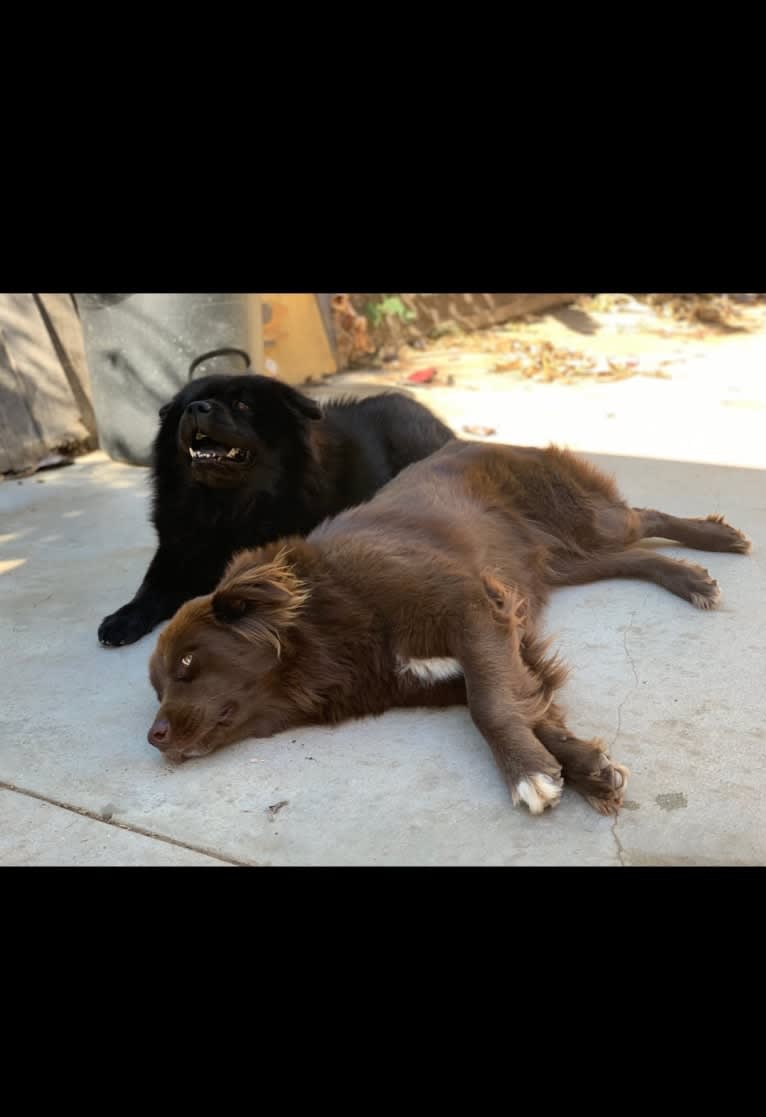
(430, 671)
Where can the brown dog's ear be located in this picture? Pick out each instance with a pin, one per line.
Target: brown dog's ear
(227, 607)
(259, 601)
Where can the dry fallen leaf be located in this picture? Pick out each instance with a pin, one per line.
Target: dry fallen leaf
(275, 808)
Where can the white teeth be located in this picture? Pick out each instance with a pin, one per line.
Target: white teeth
(233, 454)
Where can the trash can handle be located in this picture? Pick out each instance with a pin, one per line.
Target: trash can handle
(218, 353)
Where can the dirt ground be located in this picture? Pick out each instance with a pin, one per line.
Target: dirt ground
(598, 340)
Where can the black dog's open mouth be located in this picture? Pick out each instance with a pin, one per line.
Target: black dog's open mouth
(204, 450)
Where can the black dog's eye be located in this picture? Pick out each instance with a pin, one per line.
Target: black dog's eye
(240, 405)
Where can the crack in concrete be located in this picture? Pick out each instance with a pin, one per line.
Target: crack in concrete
(635, 676)
(618, 843)
(636, 683)
(143, 831)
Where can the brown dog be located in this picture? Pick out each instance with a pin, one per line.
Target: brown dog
(427, 595)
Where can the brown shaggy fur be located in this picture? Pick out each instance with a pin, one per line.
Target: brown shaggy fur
(451, 562)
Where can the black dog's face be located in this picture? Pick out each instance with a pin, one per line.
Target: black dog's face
(231, 430)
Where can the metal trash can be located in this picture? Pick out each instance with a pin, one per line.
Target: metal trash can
(141, 349)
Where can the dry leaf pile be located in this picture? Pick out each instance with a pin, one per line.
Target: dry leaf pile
(352, 339)
(709, 310)
(727, 312)
(542, 361)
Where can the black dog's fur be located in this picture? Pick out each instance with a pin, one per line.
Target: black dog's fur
(304, 463)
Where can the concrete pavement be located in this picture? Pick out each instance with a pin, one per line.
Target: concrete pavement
(677, 693)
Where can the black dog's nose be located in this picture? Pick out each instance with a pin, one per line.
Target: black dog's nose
(159, 734)
(202, 405)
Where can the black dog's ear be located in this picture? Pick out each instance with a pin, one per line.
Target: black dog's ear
(300, 404)
(164, 410)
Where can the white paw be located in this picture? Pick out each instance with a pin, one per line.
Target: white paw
(538, 792)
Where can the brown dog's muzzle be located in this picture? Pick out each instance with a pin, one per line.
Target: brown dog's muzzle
(184, 738)
(159, 734)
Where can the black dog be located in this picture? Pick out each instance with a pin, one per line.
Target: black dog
(242, 460)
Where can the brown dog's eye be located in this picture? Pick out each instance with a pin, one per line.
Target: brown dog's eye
(184, 674)
(240, 405)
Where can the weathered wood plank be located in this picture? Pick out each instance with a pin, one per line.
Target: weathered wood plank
(21, 443)
(39, 409)
(474, 312)
(63, 321)
(468, 311)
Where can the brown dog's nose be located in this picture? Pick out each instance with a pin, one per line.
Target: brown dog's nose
(159, 734)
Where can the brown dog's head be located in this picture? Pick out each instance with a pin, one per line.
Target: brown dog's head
(218, 666)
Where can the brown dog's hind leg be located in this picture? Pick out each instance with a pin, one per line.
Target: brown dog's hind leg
(585, 764)
(685, 579)
(709, 534)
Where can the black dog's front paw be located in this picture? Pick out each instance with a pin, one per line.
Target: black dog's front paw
(125, 626)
